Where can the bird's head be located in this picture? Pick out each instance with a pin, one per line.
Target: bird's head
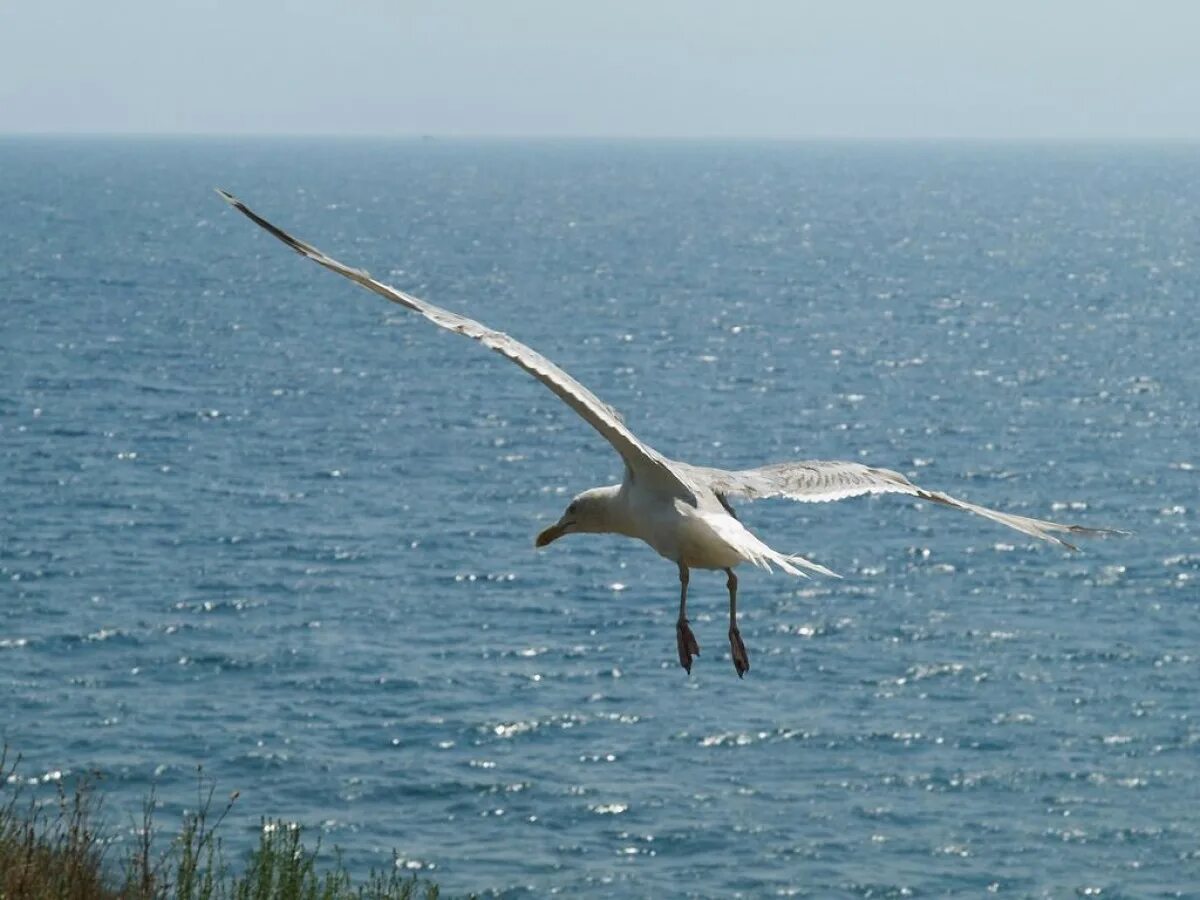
(586, 513)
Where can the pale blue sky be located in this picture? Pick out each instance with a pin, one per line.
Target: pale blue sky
(725, 68)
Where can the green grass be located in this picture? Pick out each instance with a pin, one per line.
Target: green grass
(61, 851)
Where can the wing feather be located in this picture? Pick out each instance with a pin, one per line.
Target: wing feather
(821, 481)
(641, 459)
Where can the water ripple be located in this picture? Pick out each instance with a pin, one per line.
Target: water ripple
(256, 521)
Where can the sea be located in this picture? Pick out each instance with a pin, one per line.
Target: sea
(263, 532)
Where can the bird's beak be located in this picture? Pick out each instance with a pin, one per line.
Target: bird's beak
(551, 534)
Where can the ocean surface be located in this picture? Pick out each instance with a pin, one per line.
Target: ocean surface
(257, 520)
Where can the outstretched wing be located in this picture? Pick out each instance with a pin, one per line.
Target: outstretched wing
(820, 481)
(642, 460)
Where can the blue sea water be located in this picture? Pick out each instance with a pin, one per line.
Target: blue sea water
(254, 518)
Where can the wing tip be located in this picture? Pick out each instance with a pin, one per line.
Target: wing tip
(295, 243)
(1084, 531)
(228, 198)
(1098, 532)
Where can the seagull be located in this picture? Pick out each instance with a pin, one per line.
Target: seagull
(682, 511)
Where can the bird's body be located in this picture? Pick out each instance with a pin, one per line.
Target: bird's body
(701, 535)
(682, 511)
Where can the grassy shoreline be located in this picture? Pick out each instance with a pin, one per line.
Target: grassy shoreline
(62, 850)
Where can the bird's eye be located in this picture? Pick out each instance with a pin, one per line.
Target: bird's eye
(572, 507)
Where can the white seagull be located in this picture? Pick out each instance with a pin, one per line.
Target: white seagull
(680, 510)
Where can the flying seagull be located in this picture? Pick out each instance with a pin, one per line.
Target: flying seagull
(681, 510)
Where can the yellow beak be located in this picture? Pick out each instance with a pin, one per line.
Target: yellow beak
(551, 534)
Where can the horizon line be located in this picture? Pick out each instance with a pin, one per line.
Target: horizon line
(632, 138)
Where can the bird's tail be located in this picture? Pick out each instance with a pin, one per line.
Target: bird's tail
(808, 564)
(789, 562)
(754, 550)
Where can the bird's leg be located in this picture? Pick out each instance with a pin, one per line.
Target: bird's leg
(737, 650)
(683, 634)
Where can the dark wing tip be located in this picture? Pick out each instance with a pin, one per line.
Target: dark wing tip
(1098, 532)
(1091, 532)
(298, 245)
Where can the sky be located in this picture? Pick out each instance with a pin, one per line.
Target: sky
(790, 69)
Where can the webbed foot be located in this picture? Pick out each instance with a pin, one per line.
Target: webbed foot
(686, 641)
(737, 650)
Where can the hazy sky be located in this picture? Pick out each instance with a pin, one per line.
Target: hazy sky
(743, 68)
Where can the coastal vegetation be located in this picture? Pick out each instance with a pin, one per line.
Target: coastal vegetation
(63, 850)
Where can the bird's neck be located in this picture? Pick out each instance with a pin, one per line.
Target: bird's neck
(619, 517)
(615, 515)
